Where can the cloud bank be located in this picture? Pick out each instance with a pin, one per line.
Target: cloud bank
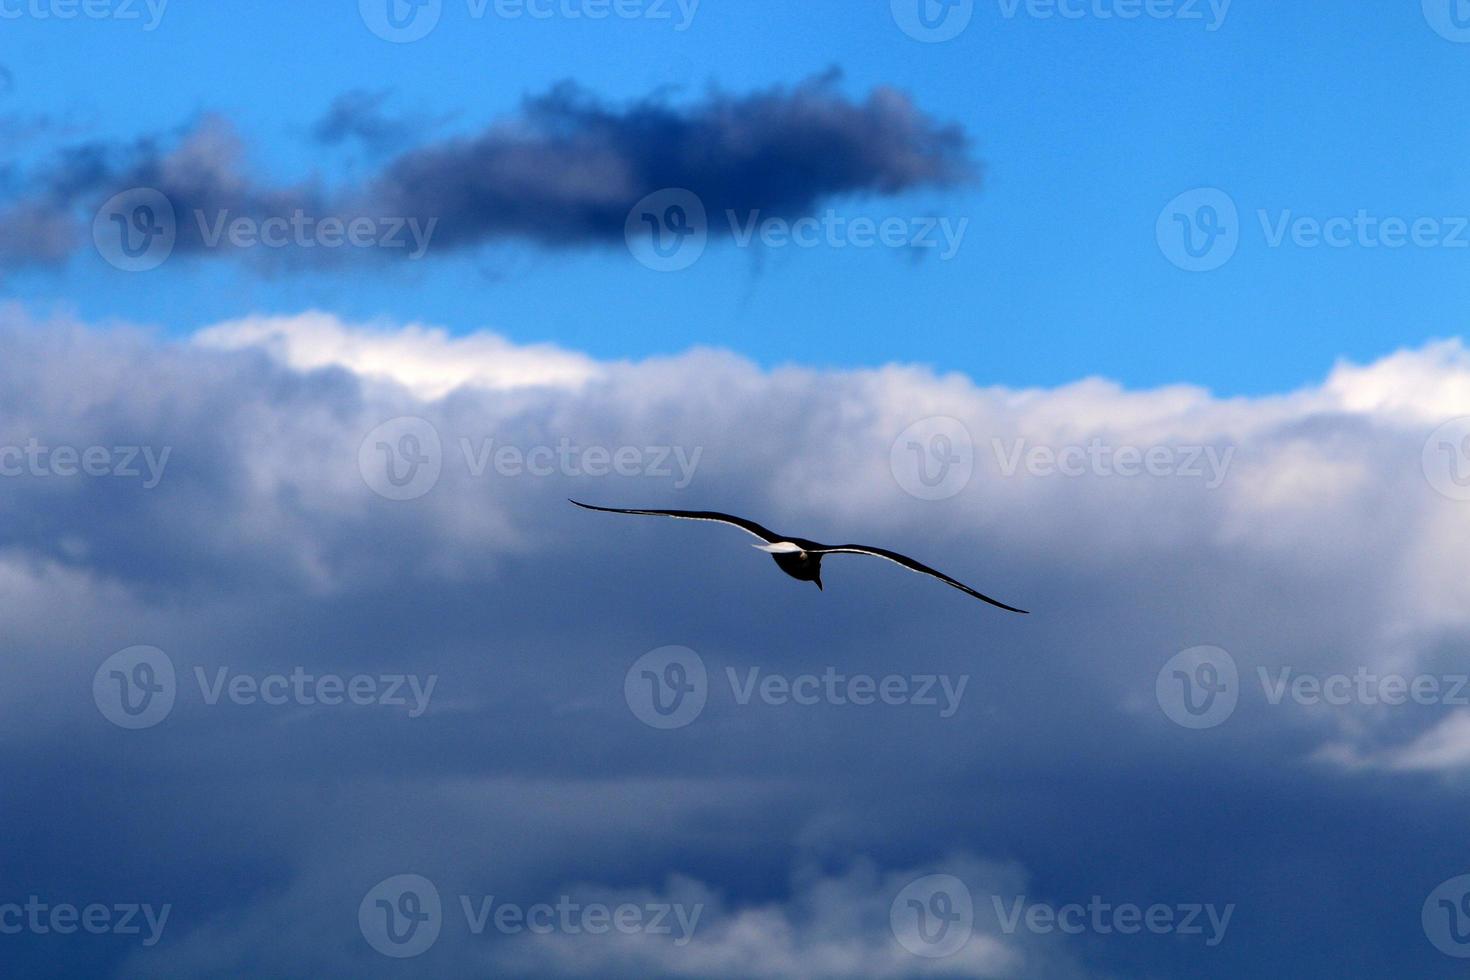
(272, 546)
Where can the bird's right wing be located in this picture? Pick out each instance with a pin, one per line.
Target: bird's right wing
(913, 566)
(750, 527)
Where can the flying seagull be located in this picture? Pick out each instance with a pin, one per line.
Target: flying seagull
(799, 557)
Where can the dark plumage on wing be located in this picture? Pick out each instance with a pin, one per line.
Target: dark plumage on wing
(801, 558)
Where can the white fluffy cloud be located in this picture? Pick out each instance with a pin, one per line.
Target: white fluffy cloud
(424, 359)
(1320, 486)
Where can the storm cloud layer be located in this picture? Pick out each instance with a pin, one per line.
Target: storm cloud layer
(1313, 532)
(565, 172)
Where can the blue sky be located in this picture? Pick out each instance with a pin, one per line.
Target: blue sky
(1085, 128)
(1169, 384)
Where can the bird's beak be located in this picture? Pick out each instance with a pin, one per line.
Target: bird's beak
(819, 585)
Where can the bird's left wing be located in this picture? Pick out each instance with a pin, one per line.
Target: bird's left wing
(911, 565)
(750, 527)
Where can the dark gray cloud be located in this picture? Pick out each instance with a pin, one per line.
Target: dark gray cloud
(562, 173)
(34, 234)
(571, 168)
(263, 548)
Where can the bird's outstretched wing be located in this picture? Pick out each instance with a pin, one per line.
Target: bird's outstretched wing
(750, 527)
(911, 565)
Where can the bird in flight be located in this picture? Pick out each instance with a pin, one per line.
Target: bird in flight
(799, 557)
